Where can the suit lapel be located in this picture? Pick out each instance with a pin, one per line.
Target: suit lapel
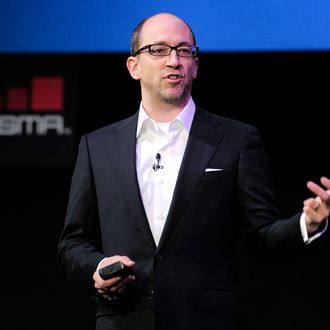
(125, 137)
(202, 142)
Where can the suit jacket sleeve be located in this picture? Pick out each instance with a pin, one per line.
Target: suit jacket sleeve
(266, 230)
(78, 246)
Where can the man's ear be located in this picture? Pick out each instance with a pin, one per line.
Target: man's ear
(133, 67)
(196, 67)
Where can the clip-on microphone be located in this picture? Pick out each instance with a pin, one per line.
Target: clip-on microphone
(155, 167)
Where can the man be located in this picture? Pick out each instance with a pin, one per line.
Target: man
(165, 191)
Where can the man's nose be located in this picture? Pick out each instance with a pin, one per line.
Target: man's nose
(173, 58)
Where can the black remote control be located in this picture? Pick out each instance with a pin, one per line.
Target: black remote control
(114, 270)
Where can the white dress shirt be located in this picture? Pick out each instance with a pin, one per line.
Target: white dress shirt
(169, 140)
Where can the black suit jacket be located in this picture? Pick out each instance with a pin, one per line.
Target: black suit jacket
(190, 280)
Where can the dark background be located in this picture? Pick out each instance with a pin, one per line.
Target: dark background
(284, 94)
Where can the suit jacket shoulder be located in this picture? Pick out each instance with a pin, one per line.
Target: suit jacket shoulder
(231, 123)
(112, 128)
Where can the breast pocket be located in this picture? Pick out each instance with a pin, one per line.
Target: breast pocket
(212, 174)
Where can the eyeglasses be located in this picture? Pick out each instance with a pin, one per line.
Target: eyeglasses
(160, 50)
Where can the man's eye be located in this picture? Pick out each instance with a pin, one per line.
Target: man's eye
(184, 51)
(158, 50)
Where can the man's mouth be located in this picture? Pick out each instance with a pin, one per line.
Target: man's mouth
(173, 77)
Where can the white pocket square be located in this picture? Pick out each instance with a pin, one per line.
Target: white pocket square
(213, 169)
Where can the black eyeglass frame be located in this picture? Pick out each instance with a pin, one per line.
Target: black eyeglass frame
(148, 47)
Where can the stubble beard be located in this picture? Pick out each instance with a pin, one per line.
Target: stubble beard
(177, 97)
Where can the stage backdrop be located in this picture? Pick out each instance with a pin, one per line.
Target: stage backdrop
(106, 25)
(63, 73)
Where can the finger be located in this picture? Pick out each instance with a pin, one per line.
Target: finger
(317, 203)
(326, 182)
(313, 203)
(317, 190)
(106, 284)
(122, 283)
(308, 201)
(321, 210)
(125, 282)
(124, 259)
(316, 211)
(127, 261)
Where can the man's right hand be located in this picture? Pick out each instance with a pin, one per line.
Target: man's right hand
(116, 284)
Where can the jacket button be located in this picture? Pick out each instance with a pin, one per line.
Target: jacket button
(158, 257)
(151, 294)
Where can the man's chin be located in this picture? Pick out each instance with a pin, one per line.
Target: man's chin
(174, 98)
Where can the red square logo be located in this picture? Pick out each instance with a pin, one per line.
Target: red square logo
(47, 94)
(17, 99)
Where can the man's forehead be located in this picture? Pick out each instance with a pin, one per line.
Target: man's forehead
(161, 28)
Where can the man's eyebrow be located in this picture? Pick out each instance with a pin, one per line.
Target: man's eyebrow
(181, 43)
(185, 43)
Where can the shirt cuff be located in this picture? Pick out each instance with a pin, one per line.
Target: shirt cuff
(304, 233)
(98, 266)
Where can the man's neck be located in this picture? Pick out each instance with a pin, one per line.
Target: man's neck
(163, 112)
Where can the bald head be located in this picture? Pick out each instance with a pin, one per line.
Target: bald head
(155, 21)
